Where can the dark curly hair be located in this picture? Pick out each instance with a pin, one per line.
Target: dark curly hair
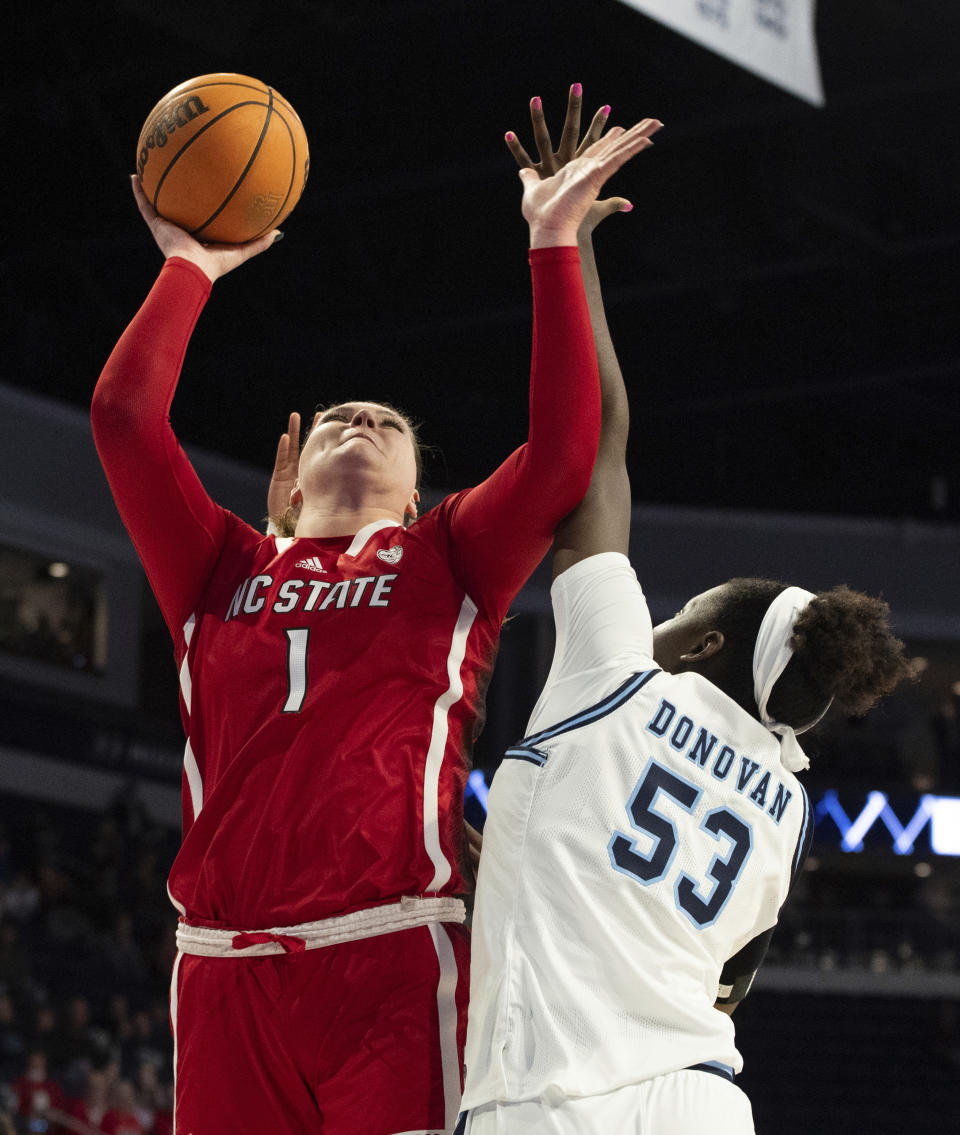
(844, 650)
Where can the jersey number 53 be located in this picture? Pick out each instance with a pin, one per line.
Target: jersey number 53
(653, 866)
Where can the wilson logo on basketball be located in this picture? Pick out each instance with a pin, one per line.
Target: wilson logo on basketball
(264, 205)
(158, 132)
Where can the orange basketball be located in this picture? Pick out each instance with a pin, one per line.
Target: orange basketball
(224, 157)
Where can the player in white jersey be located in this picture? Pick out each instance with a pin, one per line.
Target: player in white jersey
(644, 835)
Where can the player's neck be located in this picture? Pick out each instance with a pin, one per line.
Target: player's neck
(322, 520)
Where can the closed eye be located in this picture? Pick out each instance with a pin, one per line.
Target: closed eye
(391, 422)
(335, 416)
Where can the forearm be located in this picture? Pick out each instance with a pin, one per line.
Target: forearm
(138, 382)
(613, 394)
(564, 423)
(600, 522)
(168, 515)
(521, 502)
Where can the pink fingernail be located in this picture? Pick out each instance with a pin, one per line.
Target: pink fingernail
(626, 207)
(535, 102)
(577, 90)
(510, 136)
(605, 111)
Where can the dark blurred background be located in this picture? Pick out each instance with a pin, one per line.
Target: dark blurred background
(781, 299)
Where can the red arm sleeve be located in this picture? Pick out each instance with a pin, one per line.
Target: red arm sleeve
(501, 529)
(176, 528)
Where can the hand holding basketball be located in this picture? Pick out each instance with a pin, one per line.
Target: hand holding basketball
(214, 260)
(223, 156)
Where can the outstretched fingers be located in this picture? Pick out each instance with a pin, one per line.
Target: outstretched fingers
(549, 161)
(520, 155)
(597, 126)
(618, 146)
(571, 126)
(541, 135)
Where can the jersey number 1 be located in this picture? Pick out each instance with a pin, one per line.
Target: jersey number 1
(298, 638)
(654, 866)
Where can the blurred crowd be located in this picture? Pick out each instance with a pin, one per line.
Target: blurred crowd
(86, 950)
(87, 933)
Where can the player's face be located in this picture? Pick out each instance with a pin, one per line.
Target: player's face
(674, 639)
(362, 439)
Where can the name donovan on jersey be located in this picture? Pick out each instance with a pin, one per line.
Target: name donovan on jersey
(253, 594)
(704, 749)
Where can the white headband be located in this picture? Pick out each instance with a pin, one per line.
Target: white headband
(770, 657)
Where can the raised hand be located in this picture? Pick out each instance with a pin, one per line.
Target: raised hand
(571, 146)
(286, 467)
(214, 260)
(576, 171)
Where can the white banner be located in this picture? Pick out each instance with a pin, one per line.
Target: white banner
(772, 38)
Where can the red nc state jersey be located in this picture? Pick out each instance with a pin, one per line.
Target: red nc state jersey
(354, 671)
(331, 689)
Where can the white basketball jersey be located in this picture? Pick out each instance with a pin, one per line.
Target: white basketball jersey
(642, 833)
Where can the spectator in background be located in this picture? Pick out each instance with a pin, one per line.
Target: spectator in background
(122, 1117)
(143, 1046)
(122, 953)
(37, 1092)
(107, 864)
(46, 1036)
(118, 1018)
(83, 1045)
(163, 1120)
(152, 1096)
(92, 1106)
(67, 926)
(12, 1042)
(20, 899)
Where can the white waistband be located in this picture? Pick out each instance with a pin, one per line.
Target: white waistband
(409, 912)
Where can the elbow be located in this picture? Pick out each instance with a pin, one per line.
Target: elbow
(571, 473)
(112, 415)
(106, 409)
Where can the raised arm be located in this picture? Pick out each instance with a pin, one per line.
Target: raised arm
(601, 521)
(518, 507)
(174, 526)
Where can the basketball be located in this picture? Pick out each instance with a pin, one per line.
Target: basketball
(224, 157)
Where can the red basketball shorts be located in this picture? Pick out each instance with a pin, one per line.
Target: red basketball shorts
(361, 1038)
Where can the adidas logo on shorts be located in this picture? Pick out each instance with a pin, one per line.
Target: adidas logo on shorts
(311, 563)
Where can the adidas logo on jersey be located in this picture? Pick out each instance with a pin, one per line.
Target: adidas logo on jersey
(311, 563)
(390, 555)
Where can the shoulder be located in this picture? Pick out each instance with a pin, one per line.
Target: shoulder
(444, 512)
(238, 534)
(599, 607)
(605, 568)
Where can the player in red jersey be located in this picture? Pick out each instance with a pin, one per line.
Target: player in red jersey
(331, 684)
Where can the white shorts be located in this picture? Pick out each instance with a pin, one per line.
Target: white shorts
(680, 1103)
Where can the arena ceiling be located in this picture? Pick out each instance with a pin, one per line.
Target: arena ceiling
(783, 297)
